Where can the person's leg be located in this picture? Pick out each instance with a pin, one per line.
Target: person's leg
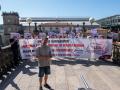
(47, 72)
(15, 57)
(41, 74)
(40, 81)
(46, 78)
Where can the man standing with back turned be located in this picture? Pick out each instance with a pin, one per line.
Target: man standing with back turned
(44, 54)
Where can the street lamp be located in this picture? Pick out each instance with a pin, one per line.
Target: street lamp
(91, 20)
(29, 21)
(35, 31)
(40, 28)
(84, 29)
(70, 27)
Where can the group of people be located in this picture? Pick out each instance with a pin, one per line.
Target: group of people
(43, 53)
(56, 34)
(75, 33)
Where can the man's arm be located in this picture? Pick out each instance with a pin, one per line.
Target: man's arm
(44, 57)
(50, 53)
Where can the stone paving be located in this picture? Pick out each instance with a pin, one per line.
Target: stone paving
(67, 74)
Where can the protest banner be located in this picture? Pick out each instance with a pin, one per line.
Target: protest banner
(68, 47)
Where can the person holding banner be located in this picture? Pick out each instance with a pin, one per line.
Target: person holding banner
(44, 55)
(15, 49)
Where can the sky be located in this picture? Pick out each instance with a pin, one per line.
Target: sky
(61, 8)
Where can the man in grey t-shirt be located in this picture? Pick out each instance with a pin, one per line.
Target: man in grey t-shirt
(44, 54)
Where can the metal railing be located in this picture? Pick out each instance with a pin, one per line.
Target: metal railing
(116, 53)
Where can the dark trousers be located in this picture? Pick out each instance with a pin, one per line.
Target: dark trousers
(15, 56)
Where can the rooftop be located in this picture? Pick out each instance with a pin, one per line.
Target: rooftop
(10, 13)
(109, 17)
(39, 19)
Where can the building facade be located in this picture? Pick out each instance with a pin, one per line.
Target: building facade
(10, 24)
(50, 23)
(13, 23)
(1, 34)
(112, 22)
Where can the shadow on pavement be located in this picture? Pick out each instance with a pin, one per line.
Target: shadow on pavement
(87, 63)
(84, 89)
(24, 68)
(29, 65)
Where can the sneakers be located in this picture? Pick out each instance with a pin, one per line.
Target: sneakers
(48, 87)
(40, 88)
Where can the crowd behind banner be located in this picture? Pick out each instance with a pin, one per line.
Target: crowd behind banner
(93, 45)
(66, 33)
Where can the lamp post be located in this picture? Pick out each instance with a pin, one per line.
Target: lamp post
(91, 20)
(36, 32)
(84, 30)
(70, 27)
(40, 28)
(29, 21)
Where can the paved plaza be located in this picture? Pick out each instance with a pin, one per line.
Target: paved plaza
(67, 74)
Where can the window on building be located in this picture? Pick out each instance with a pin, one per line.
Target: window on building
(8, 20)
(118, 20)
(9, 29)
(0, 40)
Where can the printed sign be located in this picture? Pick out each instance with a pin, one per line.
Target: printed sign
(68, 47)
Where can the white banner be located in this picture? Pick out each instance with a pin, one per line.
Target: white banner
(68, 47)
(15, 35)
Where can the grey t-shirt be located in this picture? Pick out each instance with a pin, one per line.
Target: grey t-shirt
(45, 51)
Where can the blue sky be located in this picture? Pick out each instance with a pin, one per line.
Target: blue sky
(61, 8)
